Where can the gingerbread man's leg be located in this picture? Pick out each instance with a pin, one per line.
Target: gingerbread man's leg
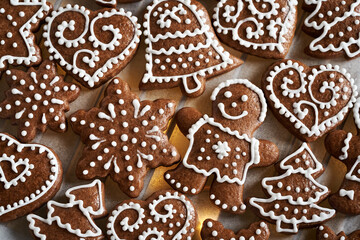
(185, 180)
(228, 196)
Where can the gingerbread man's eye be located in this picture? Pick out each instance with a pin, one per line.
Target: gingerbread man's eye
(228, 94)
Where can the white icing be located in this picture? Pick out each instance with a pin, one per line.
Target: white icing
(311, 202)
(87, 212)
(347, 193)
(24, 32)
(357, 113)
(318, 43)
(28, 168)
(89, 27)
(346, 147)
(211, 42)
(352, 175)
(277, 28)
(297, 114)
(109, 3)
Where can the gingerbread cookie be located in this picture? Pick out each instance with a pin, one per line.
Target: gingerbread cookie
(19, 19)
(75, 219)
(295, 194)
(335, 27)
(309, 101)
(182, 47)
(30, 175)
(214, 230)
(325, 233)
(124, 137)
(346, 147)
(92, 46)
(166, 215)
(223, 144)
(262, 28)
(112, 3)
(37, 99)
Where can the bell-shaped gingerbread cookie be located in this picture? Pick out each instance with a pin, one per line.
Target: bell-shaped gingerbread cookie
(223, 144)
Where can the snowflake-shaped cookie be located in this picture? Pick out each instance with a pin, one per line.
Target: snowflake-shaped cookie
(18, 20)
(37, 99)
(124, 137)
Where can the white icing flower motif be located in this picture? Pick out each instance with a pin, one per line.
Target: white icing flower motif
(222, 149)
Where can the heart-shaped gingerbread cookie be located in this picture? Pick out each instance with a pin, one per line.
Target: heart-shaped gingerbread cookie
(164, 215)
(261, 28)
(93, 46)
(30, 174)
(309, 101)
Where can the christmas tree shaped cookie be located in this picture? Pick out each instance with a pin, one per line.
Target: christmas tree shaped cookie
(325, 233)
(214, 230)
(37, 99)
(124, 137)
(261, 28)
(73, 220)
(335, 25)
(346, 147)
(19, 19)
(294, 195)
(182, 47)
(223, 145)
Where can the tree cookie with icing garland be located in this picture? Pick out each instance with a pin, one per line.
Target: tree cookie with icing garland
(309, 101)
(346, 147)
(30, 175)
(19, 19)
(223, 145)
(335, 25)
(166, 215)
(182, 48)
(92, 46)
(124, 137)
(112, 3)
(326, 233)
(295, 194)
(37, 100)
(262, 28)
(75, 219)
(214, 230)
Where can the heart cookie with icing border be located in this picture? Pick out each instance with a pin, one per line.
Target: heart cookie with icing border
(164, 215)
(30, 175)
(93, 46)
(309, 101)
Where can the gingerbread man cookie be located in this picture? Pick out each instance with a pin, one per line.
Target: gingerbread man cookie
(335, 25)
(326, 233)
(124, 137)
(309, 101)
(18, 21)
(92, 46)
(30, 175)
(261, 28)
(346, 147)
(166, 215)
(214, 230)
(182, 47)
(223, 145)
(75, 219)
(37, 99)
(294, 195)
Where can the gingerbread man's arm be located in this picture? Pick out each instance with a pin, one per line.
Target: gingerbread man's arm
(269, 153)
(186, 117)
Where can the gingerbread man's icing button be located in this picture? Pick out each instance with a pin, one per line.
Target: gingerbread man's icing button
(37, 100)
(182, 48)
(124, 137)
(223, 145)
(345, 146)
(17, 42)
(262, 28)
(326, 233)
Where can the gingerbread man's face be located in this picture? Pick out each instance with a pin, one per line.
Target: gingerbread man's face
(237, 104)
